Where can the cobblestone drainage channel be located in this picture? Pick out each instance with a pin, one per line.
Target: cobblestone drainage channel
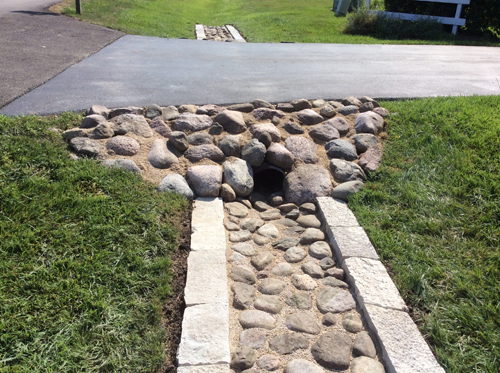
(218, 33)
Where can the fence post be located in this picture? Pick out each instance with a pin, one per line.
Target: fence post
(78, 7)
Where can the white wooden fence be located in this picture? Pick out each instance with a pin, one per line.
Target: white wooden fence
(456, 21)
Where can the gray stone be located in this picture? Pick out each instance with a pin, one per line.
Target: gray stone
(243, 358)
(179, 140)
(244, 295)
(232, 121)
(239, 175)
(285, 106)
(320, 250)
(348, 110)
(209, 110)
(333, 350)
(299, 299)
(341, 149)
(188, 108)
(328, 111)
(254, 152)
(367, 106)
(269, 230)
(254, 338)
(261, 128)
(268, 303)
(302, 366)
(308, 208)
(265, 138)
(245, 107)
(159, 156)
(236, 258)
(365, 99)
(329, 319)
(271, 286)
(302, 148)
(363, 345)
(99, 110)
(160, 127)
(343, 171)
(318, 103)
(280, 156)
(258, 103)
(287, 223)
(311, 235)
(285, 344)
(287, 207)
(257, 319)
(324, 132)
(271, 214)
(309, 117)
(326, 263)
(233, 219)
(285, 243)
(294, 214)
(216, 129)
(352, 322)
(340, 124)
(334, 282)
(335, 272)
(295, 254)
(240, 236)
(85, 146)
(125, 110)
(364, 364)
(293, 128)
(304, 282)
(170, 113)
(103, 131)
(177, 184)
(236, 209)
(152, 111)
(334, 300)
(344, 190)
(261, 206)
(188, 122)
(302, 322)
(252, 224)
(351, 100)
(244, 248)
(230, 146)
(136, 124)
(269, 362)
(200, 138)
(227, 193)
(267, 113)
(335, 104)
(364, 141)
(261, 240)
(282, 269)
(312, 269)
(309, 221)
(254, 197)
(210, 151)
(205, 180)
(369, 122)
(230, 226)
(306, 183)
(243, 274)
(123, 164)
(92, 121)
(370, 161)
(381, 111)
(76, 132)
(300, 104)
(262, 260)
(123, 145)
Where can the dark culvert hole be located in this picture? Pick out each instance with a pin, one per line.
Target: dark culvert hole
(268, 180)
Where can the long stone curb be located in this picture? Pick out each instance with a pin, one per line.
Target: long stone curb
(204, 346)
(403, 348)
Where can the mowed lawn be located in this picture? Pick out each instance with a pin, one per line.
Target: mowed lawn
(433, 213)
(301, 21)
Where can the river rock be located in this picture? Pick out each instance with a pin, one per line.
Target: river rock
(267, 113)
(169, 113)
(302, 148)
(200, 138)
(269, 230)
(306, 183)
(333, 350)
(136, 124)
(271, 286)
(188, 122)
(302, 322)
(244, 248)
(160, 127)
(125, 110)
(329, 319)
(309, 221)
(300, 299)
(285, 344)
(159, 156)
(285, 243)
(352, 322)
(269, 362)
(326, 263)
(343, 171)
(302, 366)
(254, 338)
(381, 111)
(123, 145)
(271, 214)
(351, 100)
(99, 110)
(304, 282)
(341, 149)
(244, 295)
(344, 190)
(258, 103)
(295, 254)
(367, 106)
(152, 111)
(324, 132)
(252, 224)
(269, 128)
(364, 364)
(239, 175)
(240, 236)
(309, 117)
(103, 131)
(86, 146)
(364, 141)
(210, 151)
(293, 128)
(123, 164)
(76, 132)
(334, 300)
(335, 272)
(230, 146)
(179, 140)
(370, 160)
(205, 180)
(340, 124)
(254, 152)
(91, 121)
(300, 104)
(320, 250)
(262, 260)
(236, 209)
(363, 345)
(282, 269)
(311, 235)
(244, 107)
(232, 121)
(312, 269)
(369, 122)
(227, 193)
(334, 282)
(243, 358)
(268, 303)
(243, 274)
(210, 110)
(328, 111)
(177, 184)
(257, 319)
(308, 208)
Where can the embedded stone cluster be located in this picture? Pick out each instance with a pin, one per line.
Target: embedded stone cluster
(324, 147)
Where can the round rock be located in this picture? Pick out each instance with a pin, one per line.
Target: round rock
(352, 322)
(177, 184)
(302, 366)
(302, 148)
(280, 156)
(333, 350)
(208, 151)
(236, 209)
(269, 230)
(341, 149)
(230, 146)
(159, 156)
(364, 141)
(364, 364)
(309, 221)
(311, 235)
(260, 128)
(343, 171)
(304, 282)
(369, 122)
(309, 117)
(300, 300)
(239, 175)
(179, 140)
(320, 250)
(363, 345)
(262, 260)
(188, 122)
(282, 269)
(344, 190)
(312, 269)
(86, 146)
(302, 322)
(334, 300)
(206, 180)
(244, 295)
(268, 303)
(243, 274)
(269, 362)
(244, 249)
(340, 124)
(306, 183)
(123, 145)
(295, 254)
(271, 286)
(243, 358)
(254, 152)
(257, 319)
(285, 344)
(240, 236)
(251, 224)
(254, 338)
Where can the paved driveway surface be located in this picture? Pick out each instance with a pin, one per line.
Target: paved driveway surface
(138, 70)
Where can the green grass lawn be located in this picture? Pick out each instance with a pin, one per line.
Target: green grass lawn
(84, 257)
(433, 213)
(301, 21)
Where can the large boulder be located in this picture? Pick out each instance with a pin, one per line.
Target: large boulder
(309, 117)
(343, 171)
(93, 120)
(188, 122)
(341, 149)
(126, 123)
(266, 113)
(324, 132)
(159, 156)
(280, 156)
(370, 160)
(232, 121)
(159, 126)
(123, 145)
(230, 145)
(306, 183)
(177, 184)
(302, 148)
(206, 180)
(344, 190)
(369, 122)
(85, 146)
(261, 128)
(254, 152)
(364, 141)
(210, 151)
(239, 175)
(340, 124)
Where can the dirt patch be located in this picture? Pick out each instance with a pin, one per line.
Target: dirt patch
(58, 8)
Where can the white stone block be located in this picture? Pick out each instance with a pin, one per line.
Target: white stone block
(404, 350)
(205, 335)
(206, 278)
(209, 240)
(200, 32)
(372, 283)
(350, 242)
(207, 212)
(336, 213)
(217, 368)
